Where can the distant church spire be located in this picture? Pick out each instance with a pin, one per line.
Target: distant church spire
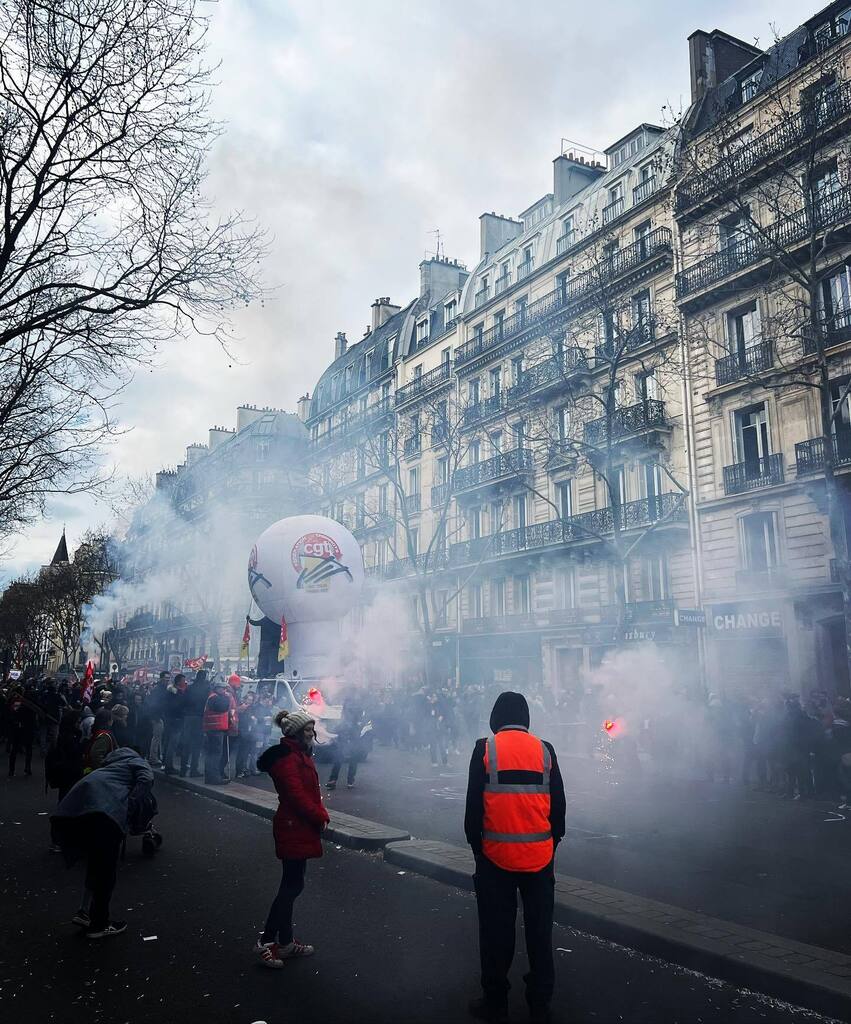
(61, 551)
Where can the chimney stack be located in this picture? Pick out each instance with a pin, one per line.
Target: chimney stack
(713, 57)
(340, 344)
(303, 407)
(382, 310)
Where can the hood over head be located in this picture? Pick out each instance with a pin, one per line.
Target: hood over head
(509, 709)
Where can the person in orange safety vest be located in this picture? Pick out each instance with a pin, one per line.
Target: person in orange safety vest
(514, 820)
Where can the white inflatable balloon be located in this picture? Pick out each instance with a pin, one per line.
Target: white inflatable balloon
(308, 569)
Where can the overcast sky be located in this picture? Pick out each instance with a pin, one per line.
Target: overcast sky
(357, 127)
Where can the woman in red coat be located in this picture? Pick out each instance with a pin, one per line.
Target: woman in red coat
(297, 827)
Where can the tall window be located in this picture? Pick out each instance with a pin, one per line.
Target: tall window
(564, 498)
(647, 386)
(440, 602)
(474, 522)
(418, 371)
(642, 321)
(519, 433)
(474, 452)
(496, 381)
(750, 85)
(442, 470)
(752, 438)
(415, 539)
(474, 601)
(744, 329)
(413, 485)
(516, 369)
(496, 441)
(520, 511)
(521, 595)
(361, 464)
(826, 182)
(836, 299)
(759, 541)
(445, 355)
(498, 321)
(563, 423)
(382, 499)
(422, 332)
(450, 311)
(498, 597)
(565, 587)
(656, 577)
(495, 515)
(473, 391)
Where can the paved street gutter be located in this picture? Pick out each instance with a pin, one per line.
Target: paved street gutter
(809, 976)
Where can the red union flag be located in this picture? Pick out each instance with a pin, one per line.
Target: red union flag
(88, 683)
(283, 643)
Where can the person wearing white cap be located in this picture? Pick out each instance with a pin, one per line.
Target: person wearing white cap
(297, 827)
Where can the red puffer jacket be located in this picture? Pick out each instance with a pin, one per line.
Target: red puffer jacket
(301, 816)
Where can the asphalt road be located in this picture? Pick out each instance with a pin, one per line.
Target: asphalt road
(753, 858)
(391, 947)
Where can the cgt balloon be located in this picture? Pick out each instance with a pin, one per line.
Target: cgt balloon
(308, 570)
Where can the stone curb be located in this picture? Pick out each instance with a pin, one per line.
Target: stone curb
(344, 829)
(809, 976)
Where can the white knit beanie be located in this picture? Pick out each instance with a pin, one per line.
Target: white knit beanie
(295, 721)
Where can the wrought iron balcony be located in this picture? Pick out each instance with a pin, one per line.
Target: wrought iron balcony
(791, 132)
(350, 424)
(635, 338)
(751, 360)
(411, 503)
(547, 309)
(439, 432)
(753, 474)
(786, 233)
(420, 385)
(644, 190)
(482, 296)
(525, 268)
(510, 463)
(628, 420)
(439, 493)
(413, 445)
(810, 455)
(833, 330)
(613, 210)
(555, 370)
(501, 283)
(565, 241)
(587, 526)
(480, 411)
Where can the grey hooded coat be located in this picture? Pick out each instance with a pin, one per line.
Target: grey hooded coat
(107, 789)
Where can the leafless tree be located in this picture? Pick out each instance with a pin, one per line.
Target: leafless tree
(107, 246)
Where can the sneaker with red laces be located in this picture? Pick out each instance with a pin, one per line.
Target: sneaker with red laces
(293, 949)
(268, 954)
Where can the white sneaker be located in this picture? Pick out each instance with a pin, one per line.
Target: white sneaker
(268, 954)
(293, 949)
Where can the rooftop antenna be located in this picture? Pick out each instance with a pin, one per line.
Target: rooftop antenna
(438, 245)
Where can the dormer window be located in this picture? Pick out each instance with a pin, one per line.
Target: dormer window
(749, 86)
(450, 311)
(422, 333)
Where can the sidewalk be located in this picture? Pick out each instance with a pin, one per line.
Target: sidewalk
(802, 974)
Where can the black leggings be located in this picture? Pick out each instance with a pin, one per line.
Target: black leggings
(279, 923)
(102, 843)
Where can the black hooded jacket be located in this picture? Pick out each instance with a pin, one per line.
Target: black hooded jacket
(509, 711)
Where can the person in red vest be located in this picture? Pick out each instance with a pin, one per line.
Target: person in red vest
(514, 820)
(215, 724)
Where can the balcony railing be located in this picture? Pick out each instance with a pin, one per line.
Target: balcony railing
(525, 268)
(411, 502)
(641, 334)
(746, 251)
(613, 210)
(574, 290)
(518, 460)
(420, 385)
(413, 445)
(482, 410)
(583, 527)
(644, 190)
(751, 360)
(810, 456)
(346, 427)
(554, 370)
(833, 329)
(501, 283)
(482, 296)
(753, 474)
(630, 419)
(439, 432)
(565, 241)
(788, 134)
(439, 493)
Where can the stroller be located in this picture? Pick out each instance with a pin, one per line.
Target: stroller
(141, 811)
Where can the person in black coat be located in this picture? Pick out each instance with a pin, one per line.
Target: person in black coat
(63, 765)
(193, 716)
(21, 723)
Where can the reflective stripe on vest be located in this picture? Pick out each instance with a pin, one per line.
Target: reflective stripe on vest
(515, 833)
